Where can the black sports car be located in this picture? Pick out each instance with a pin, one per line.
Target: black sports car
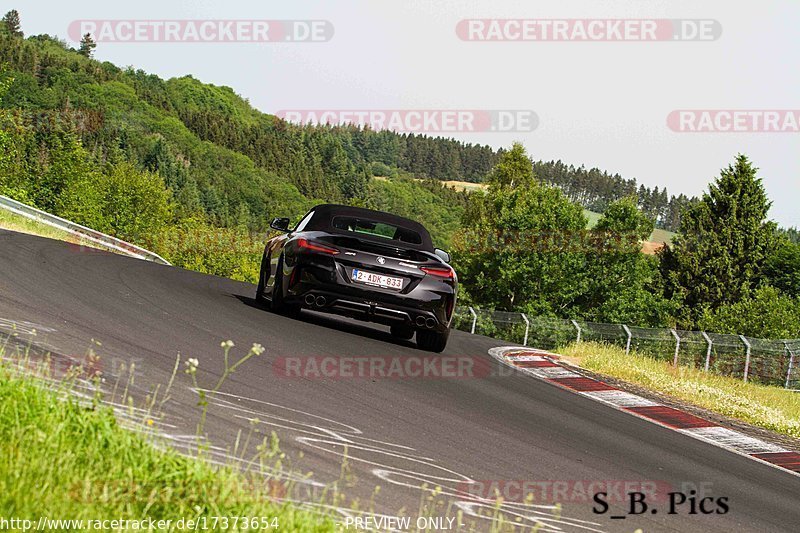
(364, 264)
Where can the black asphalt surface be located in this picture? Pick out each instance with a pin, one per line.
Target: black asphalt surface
(400, 433)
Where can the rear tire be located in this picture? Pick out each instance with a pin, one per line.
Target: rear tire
(278, 304)
(402, 332)
(432, 341)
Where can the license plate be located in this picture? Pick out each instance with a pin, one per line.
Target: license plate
(370, 278)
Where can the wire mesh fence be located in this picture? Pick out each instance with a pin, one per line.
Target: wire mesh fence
(772, 362)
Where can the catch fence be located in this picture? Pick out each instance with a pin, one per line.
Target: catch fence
(772, 362)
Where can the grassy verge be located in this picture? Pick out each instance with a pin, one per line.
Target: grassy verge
(64, 460)
(14, 222)
(767, 407)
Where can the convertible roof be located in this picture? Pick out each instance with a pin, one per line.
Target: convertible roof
(324, 213)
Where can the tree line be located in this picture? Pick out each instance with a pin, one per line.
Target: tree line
(596, 189)
(330, 162)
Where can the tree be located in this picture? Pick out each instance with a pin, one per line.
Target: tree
(513, 169)
(354, 185)
(767, 314)
(782, 269)
(122, 200)
(87, 45)
(623, 282)
(718, 257)
(514, 251)
(12, 24)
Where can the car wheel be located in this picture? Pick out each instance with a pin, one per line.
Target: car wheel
(402, 332)
(278, 304)
(432, 341)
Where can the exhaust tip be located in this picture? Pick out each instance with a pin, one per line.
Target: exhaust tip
(320, 301)
(309, 299)
(430, 322)
(420, 321)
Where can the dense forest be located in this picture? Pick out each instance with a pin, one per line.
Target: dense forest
(327, 162)
(207, 142)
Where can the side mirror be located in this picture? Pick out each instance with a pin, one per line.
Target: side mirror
(280, 224)
(441, 254)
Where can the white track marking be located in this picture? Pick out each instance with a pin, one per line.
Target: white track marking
(23, 326)
(350, 429)
(407, 467)
(330, 445)
(526, 358)
(553, 372)
(620, 398)
(734, 440)
(540, 521)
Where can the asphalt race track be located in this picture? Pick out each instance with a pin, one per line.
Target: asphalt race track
(398, 433)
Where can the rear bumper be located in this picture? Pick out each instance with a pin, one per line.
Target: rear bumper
(370, 310)
(319, 287)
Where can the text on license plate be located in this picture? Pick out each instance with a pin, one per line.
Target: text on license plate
(377, 279)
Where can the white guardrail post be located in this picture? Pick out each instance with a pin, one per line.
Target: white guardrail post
(628, 342)
(578, 328)
(708, 350)
(527, 328)
(474, 319)
(677, 346)
(746, 357)
(791, 364)
(83, 232)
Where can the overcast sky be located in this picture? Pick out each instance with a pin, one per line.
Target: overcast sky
(601, 104)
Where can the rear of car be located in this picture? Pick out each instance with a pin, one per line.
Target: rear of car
(371, 266)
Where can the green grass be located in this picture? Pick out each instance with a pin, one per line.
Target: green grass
(658, 235)
(662, 235)
(764, 406)
(592, 217)
(14, 222)
(65, 460)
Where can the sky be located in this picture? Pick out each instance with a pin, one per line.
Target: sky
(599, 103)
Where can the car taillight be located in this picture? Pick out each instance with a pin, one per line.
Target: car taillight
(316, 247)
(439, 272)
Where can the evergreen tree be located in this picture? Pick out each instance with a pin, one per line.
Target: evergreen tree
(724, 242)
(354, 185)
(87, 45)
(12, 24)
(782, 270)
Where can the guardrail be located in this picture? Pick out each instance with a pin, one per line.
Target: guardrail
(773, 362)
(107, 241)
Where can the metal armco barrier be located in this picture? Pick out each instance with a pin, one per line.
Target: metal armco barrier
(107, 241)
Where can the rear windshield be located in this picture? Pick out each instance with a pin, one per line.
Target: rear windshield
(376, 229)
